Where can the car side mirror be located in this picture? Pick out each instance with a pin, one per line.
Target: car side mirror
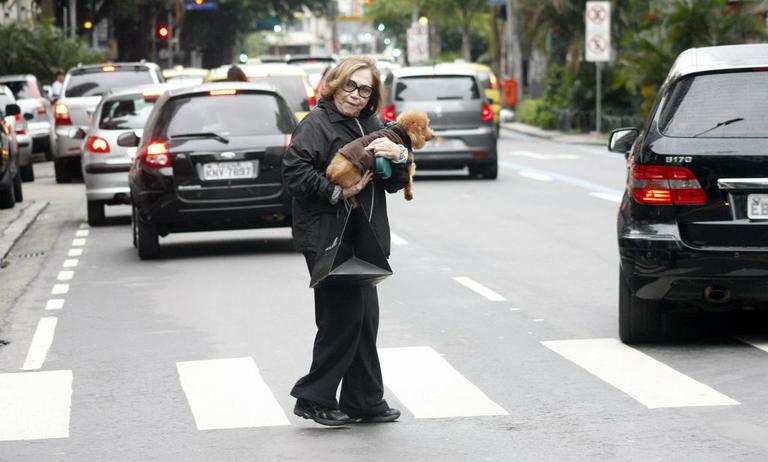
(76, 133)
(12, 109)
(28, 116)
(128, 140)
(622, 139)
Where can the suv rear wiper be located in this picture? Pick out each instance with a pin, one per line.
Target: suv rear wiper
(720, 124)
(213, 135)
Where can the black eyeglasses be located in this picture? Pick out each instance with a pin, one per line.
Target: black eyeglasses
(363, 90)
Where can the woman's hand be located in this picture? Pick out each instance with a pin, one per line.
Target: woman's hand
(384, 147)
(355, 189)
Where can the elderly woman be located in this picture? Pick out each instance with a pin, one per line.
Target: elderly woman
(347, 317)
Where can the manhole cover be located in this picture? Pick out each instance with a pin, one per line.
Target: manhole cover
(27, 255)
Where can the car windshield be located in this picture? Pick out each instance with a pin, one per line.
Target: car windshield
(290, 87)
(98, 83)
(229, 115)
(128, 112)
(725, 105)
(436, 88)
(22, 89)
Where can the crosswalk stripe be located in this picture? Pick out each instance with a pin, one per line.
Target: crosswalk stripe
(429, 387)
(652, 383)
(757, 341)
(229, 393)
(35, 405)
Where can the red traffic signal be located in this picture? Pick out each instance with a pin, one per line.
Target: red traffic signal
(162, 31)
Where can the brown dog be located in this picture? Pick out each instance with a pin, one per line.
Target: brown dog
(348, 165)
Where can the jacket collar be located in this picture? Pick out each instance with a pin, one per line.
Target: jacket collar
(335, 116)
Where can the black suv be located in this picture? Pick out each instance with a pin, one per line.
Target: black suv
(210, 158)
(693, 222)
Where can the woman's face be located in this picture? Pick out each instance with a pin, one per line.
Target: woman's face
(350, 104)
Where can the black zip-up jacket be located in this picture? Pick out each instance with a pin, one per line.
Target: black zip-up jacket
(314, 142)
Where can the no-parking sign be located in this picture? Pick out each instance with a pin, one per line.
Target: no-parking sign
(597, 18)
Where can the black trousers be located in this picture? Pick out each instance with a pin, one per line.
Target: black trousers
(347, 321)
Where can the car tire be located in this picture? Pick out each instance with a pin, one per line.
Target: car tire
(60, 170)
(640, 321)
(147, 240)
(17, 192)
(7, 199)
(96, 213)
(27, 173)
(134, 228)
(488, 172)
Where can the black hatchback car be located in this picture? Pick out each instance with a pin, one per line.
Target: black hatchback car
(209, 158)
(693, 222)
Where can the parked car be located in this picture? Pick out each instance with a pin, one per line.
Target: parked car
(20, 131)
(489, 83)
(208, 161)
(10, 177)
(105, 163)
(32, 100)
(691, 226)
(460, 117)
(82, 90)
(291, 81)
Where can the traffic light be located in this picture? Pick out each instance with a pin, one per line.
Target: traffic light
(162, 32)
(242, 57)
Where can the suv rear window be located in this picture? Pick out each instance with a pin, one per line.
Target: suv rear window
(99, 82)
(726, 105)
(130, 113)
(436, 88)
(291, 88)
(225, 115)
(22, 89)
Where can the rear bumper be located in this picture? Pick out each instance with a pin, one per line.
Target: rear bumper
(108, 183)
(454, 149)
(66, 146)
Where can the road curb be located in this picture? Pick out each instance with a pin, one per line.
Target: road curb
(18, 225)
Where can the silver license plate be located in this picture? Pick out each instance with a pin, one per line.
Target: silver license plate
(230, 170)
(757, 206)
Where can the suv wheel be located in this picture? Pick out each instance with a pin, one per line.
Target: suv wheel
(145, 234)
(60, 169)
(27, 173)
(489, 172)
(7, 199)
(17, 192)
(640, 321)
(96, 213)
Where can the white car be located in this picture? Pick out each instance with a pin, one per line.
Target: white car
(20, 127)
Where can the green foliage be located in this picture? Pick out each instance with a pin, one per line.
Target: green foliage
(41, 49)
(527, 111)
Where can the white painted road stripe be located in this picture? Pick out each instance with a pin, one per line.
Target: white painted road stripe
(65, 275)
(229, 393)
(429, 387)
(41, 343)
(535, 176)
(71, 263)
(55, 304)
(560, 177)
(757, 341)
(607, 196)
(397, 240)
(78, 242)
(35, 405)
(479, 288)
(84, 226)
(652, 383)
(82, 233)
(60, 289)
(75, 252)
(542, 156)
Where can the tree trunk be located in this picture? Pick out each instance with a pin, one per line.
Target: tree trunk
(47, 8)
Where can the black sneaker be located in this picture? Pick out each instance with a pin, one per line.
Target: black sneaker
(320, 414)
(390, 415)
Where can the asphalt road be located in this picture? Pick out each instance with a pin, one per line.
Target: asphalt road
(498, 336)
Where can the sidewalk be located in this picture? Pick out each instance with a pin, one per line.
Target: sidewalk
(554, 135)
(13, 223)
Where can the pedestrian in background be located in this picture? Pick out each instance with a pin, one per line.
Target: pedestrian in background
(347, 317)
(57, 85)
(235, 74)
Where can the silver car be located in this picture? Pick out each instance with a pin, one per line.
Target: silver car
(459, 113)
(82, 90)
(105, 164)
(20, 126)
(31, 99)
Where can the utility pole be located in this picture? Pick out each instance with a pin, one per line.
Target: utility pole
(514, 52)
(72, 18)
(170, 36)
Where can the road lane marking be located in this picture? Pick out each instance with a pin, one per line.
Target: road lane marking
(397, 240)
(757, 341)
(652, 383)
(75, 252)
(229, 393)
(430, 387)
(79, 242)
(35, 405)
(55, 304)
(60, 289)
(607, 196)
(71, 263)
(475, 286)
(84, 226)
(41, 343)
(65, 275)
(584, 184)
(82, 233)
(535, 176)
(542, 156)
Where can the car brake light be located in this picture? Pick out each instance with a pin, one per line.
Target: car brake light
(311, 97)
(389, 114)
(156, 155)
(97, 144)
(151, 95)
(61, 112)
(108, 68)
(20, 125)
(222, 92)
(486, 113)
(663, 185)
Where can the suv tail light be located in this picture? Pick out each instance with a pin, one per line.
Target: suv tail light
(97, 145)
(663, 185)
(20, 125)
(486, 113)
(61, 112)
(156, 155)
(389, 114)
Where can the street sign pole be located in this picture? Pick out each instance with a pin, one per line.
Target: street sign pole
(599, 98)
(597, 19)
